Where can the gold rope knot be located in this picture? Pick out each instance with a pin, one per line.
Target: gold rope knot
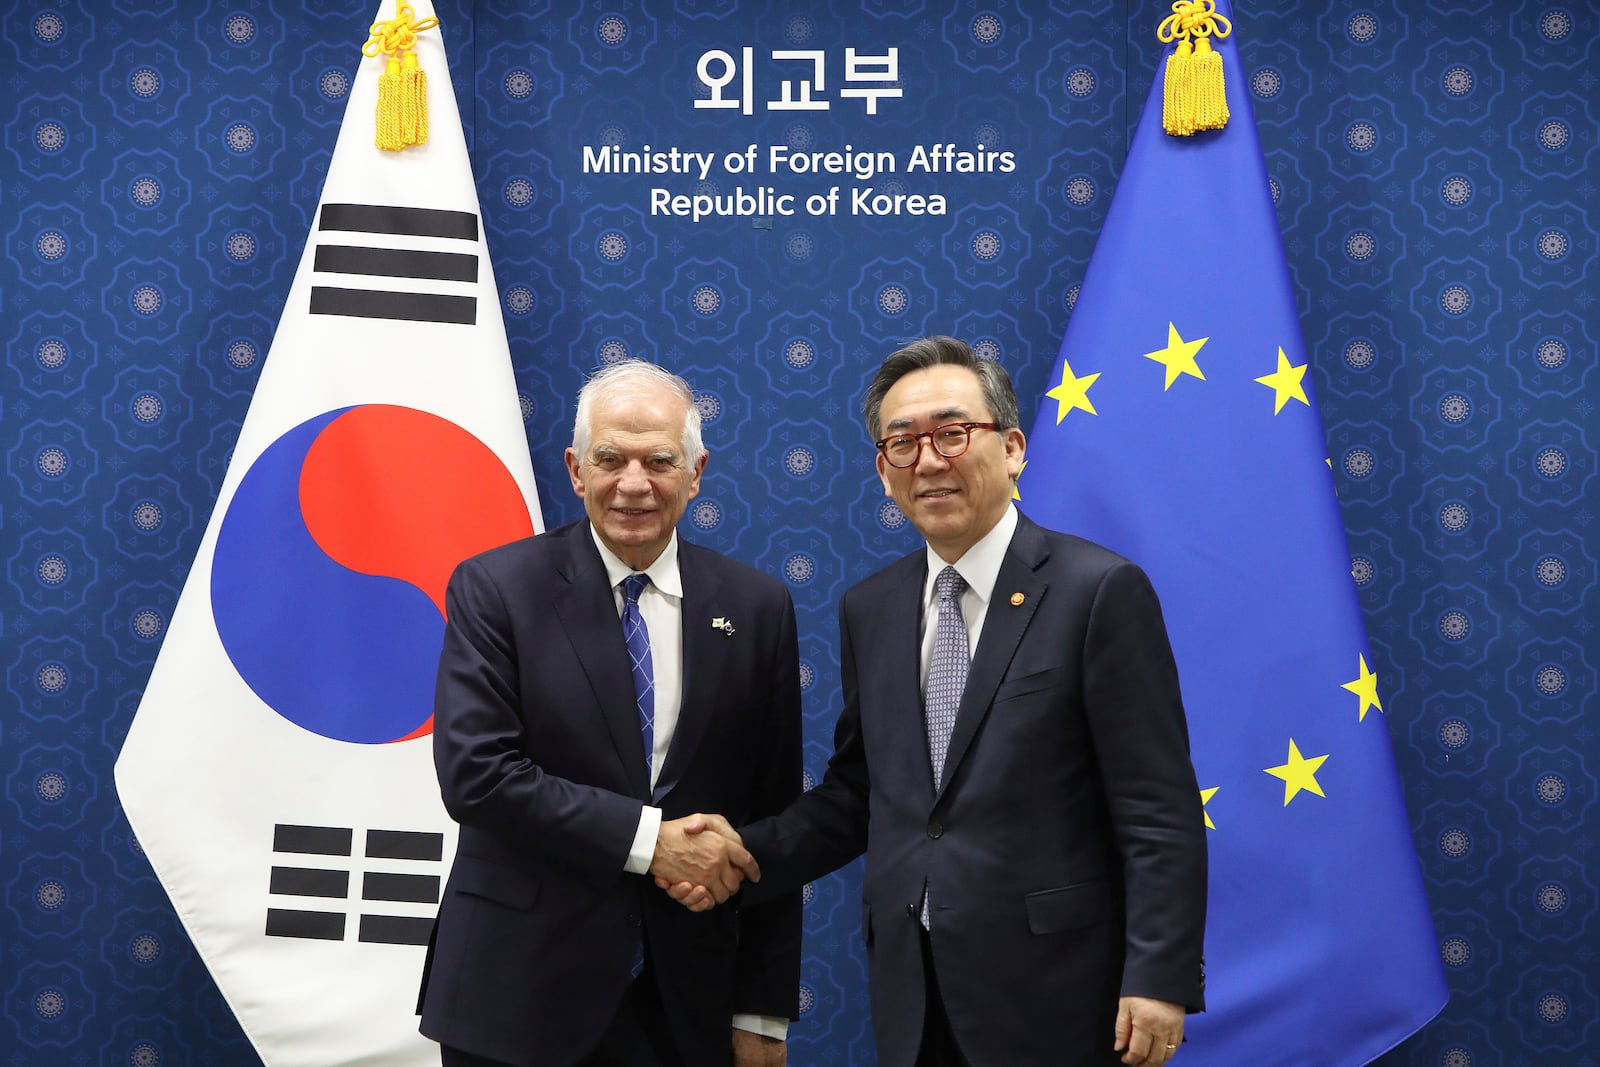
(1193, 18)
(1193, 97)
(398, 34)
(402, 117)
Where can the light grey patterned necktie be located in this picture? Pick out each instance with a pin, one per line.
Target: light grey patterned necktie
(947, 669)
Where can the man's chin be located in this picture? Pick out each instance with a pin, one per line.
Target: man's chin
(645, 524)
(624, 535)
(632, 535)
(941, 512)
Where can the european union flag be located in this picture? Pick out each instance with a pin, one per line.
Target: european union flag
(1180, 429)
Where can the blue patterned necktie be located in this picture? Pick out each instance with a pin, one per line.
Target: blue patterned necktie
(947, 669)
(637, 636)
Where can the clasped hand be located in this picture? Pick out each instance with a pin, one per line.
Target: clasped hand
(701, 861)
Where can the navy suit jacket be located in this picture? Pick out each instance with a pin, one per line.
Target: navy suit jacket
(541, 761)
(1064, 855)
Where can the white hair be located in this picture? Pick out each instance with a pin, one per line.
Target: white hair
(636, 379)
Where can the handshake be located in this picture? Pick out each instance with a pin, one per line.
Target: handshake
(700, 860)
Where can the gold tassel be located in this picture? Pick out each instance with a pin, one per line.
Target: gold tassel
(419, 100)
(408, 98)
(390, 87)
(402, 113)
(1177, 93)
(1210, 98)
(1193, 96)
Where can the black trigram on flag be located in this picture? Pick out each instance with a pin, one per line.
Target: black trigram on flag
(293, 875)
(425, 265)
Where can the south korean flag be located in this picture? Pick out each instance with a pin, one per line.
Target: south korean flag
(278, 772)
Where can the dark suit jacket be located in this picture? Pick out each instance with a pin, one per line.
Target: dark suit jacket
(541, 761)
(1064, 856)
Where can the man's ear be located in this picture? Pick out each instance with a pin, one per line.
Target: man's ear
(1016, 444)
(694, 478)
(572, 472)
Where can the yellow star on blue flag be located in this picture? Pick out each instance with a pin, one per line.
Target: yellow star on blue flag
(1365, 686)
(1285, 383)
(1073, 392)
(1298, 773)
(1178, 357)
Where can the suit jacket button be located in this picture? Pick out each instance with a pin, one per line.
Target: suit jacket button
(935, 831)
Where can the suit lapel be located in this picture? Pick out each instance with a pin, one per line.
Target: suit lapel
(704, 650)
(1003, 629)
(900, 630)
(588, 611)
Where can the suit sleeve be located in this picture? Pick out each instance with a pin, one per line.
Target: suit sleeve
(768, 973)
(826, 827)
(1142, 742)
(487, 781)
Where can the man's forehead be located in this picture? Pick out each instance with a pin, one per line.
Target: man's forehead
(955, 413)
(941, 394)
(626, 439)
(621, 417)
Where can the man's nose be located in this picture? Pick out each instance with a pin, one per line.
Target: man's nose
(634, 479)
(929, 458)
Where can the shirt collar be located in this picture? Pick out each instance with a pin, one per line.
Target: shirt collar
(979, 566)
(663, 572)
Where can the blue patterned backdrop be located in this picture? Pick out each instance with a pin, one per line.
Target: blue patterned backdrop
(1432, 165)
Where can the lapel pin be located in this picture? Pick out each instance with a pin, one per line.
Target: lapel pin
(725, 625)
(1017, 599)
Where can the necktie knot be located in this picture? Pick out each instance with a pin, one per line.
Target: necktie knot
(949, 584)
(632, 586)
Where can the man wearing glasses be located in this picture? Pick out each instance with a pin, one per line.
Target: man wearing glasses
(1013, 758)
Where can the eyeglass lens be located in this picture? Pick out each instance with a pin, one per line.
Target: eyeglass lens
(949, 441)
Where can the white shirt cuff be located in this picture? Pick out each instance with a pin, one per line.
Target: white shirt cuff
(765, 1025)
(644, 841)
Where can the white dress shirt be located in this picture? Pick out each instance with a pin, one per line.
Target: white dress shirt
(979, 567)
(661, 607)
